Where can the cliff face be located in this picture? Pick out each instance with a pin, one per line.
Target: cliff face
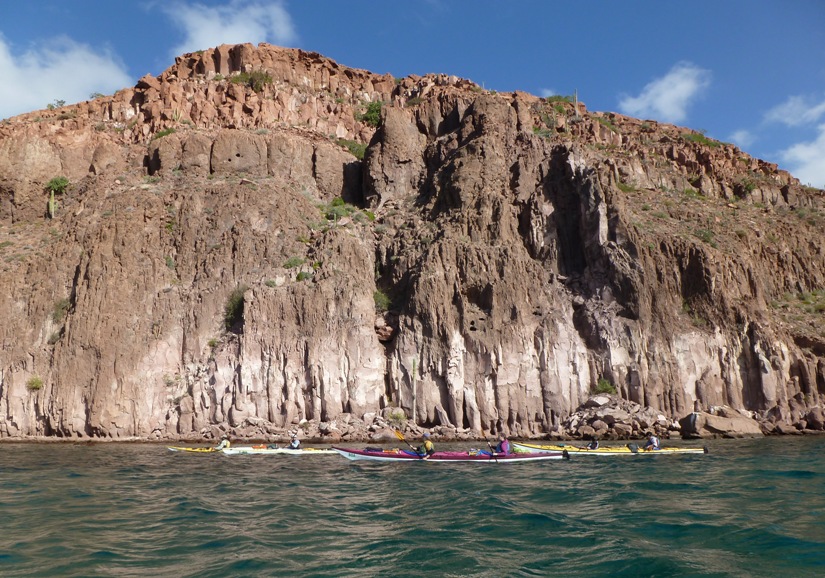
(221, 260)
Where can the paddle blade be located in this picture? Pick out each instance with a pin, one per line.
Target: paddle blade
(399, 435)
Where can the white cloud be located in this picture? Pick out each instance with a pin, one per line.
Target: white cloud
(60, 69)
(668, 98)
(807, 160)
(237, 22)
(545, 92)
(797, 111)
(742, 138)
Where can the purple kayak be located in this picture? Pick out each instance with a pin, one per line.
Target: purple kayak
(396, 455)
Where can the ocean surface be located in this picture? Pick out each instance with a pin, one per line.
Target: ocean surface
(747, 508)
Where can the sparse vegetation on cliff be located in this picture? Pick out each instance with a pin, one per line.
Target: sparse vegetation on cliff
(372, 116)
(357, 149)
(56, 186)
(604, 386)
(61, 306)
(163, 133)
(382, 300)
(233, 311)
(700, 138)
(256, 80)
(293, 262)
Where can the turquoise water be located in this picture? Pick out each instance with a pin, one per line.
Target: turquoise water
(748, 508)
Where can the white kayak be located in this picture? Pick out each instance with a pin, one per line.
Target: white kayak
(260, 449)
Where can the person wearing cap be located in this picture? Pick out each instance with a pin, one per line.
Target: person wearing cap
(426, 449)
(224, 443)
(503, 446)
(593, 445)
(652, 443)
(294, 442)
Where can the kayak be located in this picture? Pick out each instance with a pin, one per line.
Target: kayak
(261, 449)
(395, 455)
(627, 450)
(233, 451)
(194, 450)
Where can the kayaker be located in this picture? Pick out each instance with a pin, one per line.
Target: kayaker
(224, 443)
(426, 449)
(594, 444)
(652, 443)
(503, 446)
(294, 442)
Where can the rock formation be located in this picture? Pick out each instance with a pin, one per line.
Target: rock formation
(261, 238)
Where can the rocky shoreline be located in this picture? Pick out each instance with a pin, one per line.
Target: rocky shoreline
(605, 417)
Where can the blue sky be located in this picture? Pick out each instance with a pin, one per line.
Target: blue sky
(751, 72)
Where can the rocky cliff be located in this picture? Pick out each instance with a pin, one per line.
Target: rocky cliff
(261, 238)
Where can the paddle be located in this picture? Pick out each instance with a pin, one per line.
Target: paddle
(489, 445)
(400, 436)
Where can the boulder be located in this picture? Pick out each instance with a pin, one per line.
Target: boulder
(815, 419)
(236, 151)
(729, 424)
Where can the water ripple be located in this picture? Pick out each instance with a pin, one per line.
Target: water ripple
(749, 508)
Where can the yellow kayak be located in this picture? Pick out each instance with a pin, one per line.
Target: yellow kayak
(193, 450)
(630, 449)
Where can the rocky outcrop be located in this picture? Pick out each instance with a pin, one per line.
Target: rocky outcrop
(720, 422)
(225, 258)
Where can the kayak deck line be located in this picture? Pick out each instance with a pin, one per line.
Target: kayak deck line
(264, 450)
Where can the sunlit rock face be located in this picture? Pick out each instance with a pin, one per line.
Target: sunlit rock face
(246, 245)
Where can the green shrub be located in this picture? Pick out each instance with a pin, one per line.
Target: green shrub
(337, 209)
(559, 98)
(355, 148)
(255, 80)
(700, 138)
(372, 116)
(604, 386)
(382, 300)
(293, 262)
(397, 418)
(233, 311)
(706, 236)
(34, 383)
(303, 275)
(57, 185)
(61, 306)
(163, 133)
(603, 121)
